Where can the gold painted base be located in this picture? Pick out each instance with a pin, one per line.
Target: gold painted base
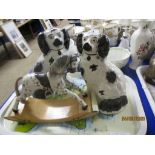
(52, 110)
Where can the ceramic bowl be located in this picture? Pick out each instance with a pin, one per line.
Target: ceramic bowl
(119, 56)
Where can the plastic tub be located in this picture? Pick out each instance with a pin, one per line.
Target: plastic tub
(148, 89)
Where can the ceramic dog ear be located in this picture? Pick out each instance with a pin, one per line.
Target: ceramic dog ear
(66, 38)
(103, 46)
(38, 67)
(42, 43)
(79, 43)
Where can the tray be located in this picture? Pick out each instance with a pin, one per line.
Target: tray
(148, 89)
(100, 124)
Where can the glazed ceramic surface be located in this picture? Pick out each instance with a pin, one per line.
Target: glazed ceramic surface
(125, 39)
(141, 44)
(119, 56)
(103, 78)
(112, 30)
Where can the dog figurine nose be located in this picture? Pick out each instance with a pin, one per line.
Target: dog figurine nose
(57, 42)
(87, 47)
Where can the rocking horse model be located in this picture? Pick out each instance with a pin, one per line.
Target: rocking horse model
(41, 86)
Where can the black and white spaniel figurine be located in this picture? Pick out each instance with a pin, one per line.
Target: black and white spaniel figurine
(53, 44)
(103, 78)
(43, 85)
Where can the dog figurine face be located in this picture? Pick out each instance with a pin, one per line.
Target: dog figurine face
(93, 44)
(54, 39)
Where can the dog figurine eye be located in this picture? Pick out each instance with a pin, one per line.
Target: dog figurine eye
(59, 35)
(93, 40)
(51, 36)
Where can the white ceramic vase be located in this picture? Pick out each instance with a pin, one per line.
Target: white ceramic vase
(112, 31)
(141, 44)
(125, 41)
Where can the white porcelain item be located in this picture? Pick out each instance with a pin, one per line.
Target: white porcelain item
(125, 43)
(112, 30)
(119, 56)
(141, 44)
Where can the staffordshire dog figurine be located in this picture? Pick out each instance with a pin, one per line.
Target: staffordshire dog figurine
(103, 78)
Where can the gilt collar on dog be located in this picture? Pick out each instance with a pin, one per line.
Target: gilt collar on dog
(59, 51)
(90, 54)
(56, 50)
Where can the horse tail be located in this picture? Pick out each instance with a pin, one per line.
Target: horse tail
(16, 86)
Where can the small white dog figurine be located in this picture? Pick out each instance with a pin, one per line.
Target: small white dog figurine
(42, 85)
(102, 77)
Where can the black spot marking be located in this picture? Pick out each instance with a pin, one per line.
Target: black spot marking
(97, 57)
(40, 93)
(51, 60)
(43, 79)
(93, 67)
(85, 95)
(38, 67)
(37, 84)
(59, 53)
(111, 76)
(58, 84)
(101, 92)
(88, 58)
(48, 93)
(82, 71)
(110, 105)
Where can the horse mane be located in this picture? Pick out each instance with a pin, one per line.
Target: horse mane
(60, 65)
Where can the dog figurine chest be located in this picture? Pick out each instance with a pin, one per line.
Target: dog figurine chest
(49, 60)
(91, 68)
(102, 77)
